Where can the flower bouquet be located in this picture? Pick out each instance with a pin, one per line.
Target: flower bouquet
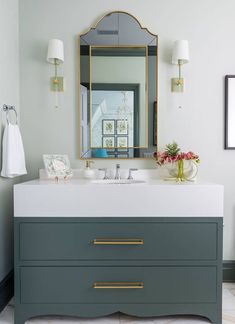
(176, 159)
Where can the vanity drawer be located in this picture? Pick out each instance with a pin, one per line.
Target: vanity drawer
(118, 241)
(58, 285)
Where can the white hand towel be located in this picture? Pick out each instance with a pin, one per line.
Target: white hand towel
(13, 158)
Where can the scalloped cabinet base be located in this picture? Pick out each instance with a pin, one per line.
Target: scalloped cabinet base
(94, 266)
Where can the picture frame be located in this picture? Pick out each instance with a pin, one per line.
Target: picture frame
(108, 142)
(122, 127)
(122, 142)
(57, 166)
(229, 136)
(108, 126)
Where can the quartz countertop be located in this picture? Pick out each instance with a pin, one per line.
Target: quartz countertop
(83, 198)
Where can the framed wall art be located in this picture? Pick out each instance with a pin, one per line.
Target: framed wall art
(108, 126)
(122, 127)
(108, 141)
(122, 141)
(229, 143)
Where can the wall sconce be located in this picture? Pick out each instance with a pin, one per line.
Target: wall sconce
(180, 56)
(55, 56)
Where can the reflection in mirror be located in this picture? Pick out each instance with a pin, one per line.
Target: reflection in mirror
(118, 85)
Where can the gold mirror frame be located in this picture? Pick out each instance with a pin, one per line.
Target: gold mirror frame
(93, 27)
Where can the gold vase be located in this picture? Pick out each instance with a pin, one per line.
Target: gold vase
(182, 170)
(181, 175)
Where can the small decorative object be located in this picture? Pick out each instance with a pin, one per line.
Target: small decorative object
(108, 141)
(57, 166)
(122, 127)
(181, 166)
(101, 153)
(122, 141)
(108, 126)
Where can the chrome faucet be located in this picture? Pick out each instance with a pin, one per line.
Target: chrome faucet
(130, 177)
(117, 174)
(105, 173)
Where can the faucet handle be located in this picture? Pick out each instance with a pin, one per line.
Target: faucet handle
(105, 173)
(130, 177)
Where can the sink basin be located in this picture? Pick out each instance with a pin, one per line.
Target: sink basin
(121, 181)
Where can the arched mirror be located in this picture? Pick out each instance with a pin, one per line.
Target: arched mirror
(118, 89)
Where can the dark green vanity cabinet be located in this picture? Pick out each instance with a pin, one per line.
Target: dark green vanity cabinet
(142, 266)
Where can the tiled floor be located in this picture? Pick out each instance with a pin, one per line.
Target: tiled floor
(7, 316)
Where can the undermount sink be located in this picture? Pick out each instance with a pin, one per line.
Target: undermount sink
(118, 181)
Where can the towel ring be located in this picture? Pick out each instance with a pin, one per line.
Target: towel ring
(7, 109)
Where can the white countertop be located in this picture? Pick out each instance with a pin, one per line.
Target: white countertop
(78, 198)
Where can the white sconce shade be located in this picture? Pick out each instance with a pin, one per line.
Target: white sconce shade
(55, 51)
(180, 52)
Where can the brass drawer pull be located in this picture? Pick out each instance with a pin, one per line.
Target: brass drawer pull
(102, 241)
(118, 285)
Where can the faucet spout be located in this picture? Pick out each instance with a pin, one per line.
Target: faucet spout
(117, 174)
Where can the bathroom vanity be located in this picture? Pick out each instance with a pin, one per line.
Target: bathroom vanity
(145, 249)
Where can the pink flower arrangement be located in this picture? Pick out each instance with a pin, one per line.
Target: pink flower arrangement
(167, 157)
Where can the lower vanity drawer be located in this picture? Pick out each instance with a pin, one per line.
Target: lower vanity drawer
(108, 285)
(172, 240)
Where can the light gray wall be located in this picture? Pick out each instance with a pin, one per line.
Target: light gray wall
(9, 94)
(199, 126)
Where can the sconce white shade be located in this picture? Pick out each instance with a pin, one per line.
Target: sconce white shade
(180, 52)
(55, 51)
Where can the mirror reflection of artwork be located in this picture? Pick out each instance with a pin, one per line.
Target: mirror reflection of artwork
(122, 127)
(114, 112)
(122, 141)
(108, 142)
(108, 126)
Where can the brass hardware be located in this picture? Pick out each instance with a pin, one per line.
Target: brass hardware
(102, 241)
(57, 84)
(177, 85)
(118, 285)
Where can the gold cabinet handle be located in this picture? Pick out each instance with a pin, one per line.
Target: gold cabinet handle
(101, 241)
(118, 285)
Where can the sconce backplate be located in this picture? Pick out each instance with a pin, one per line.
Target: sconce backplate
(57, 84)
(177, 85)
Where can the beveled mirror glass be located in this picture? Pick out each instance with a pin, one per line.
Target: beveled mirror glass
(118, 89)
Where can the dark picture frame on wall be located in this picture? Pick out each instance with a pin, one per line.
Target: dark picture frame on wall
(122, 126)
(229, 136)
(108, 142)
(122, 142)
(108, 126)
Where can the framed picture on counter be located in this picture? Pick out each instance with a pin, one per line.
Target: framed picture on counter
(57, 166)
